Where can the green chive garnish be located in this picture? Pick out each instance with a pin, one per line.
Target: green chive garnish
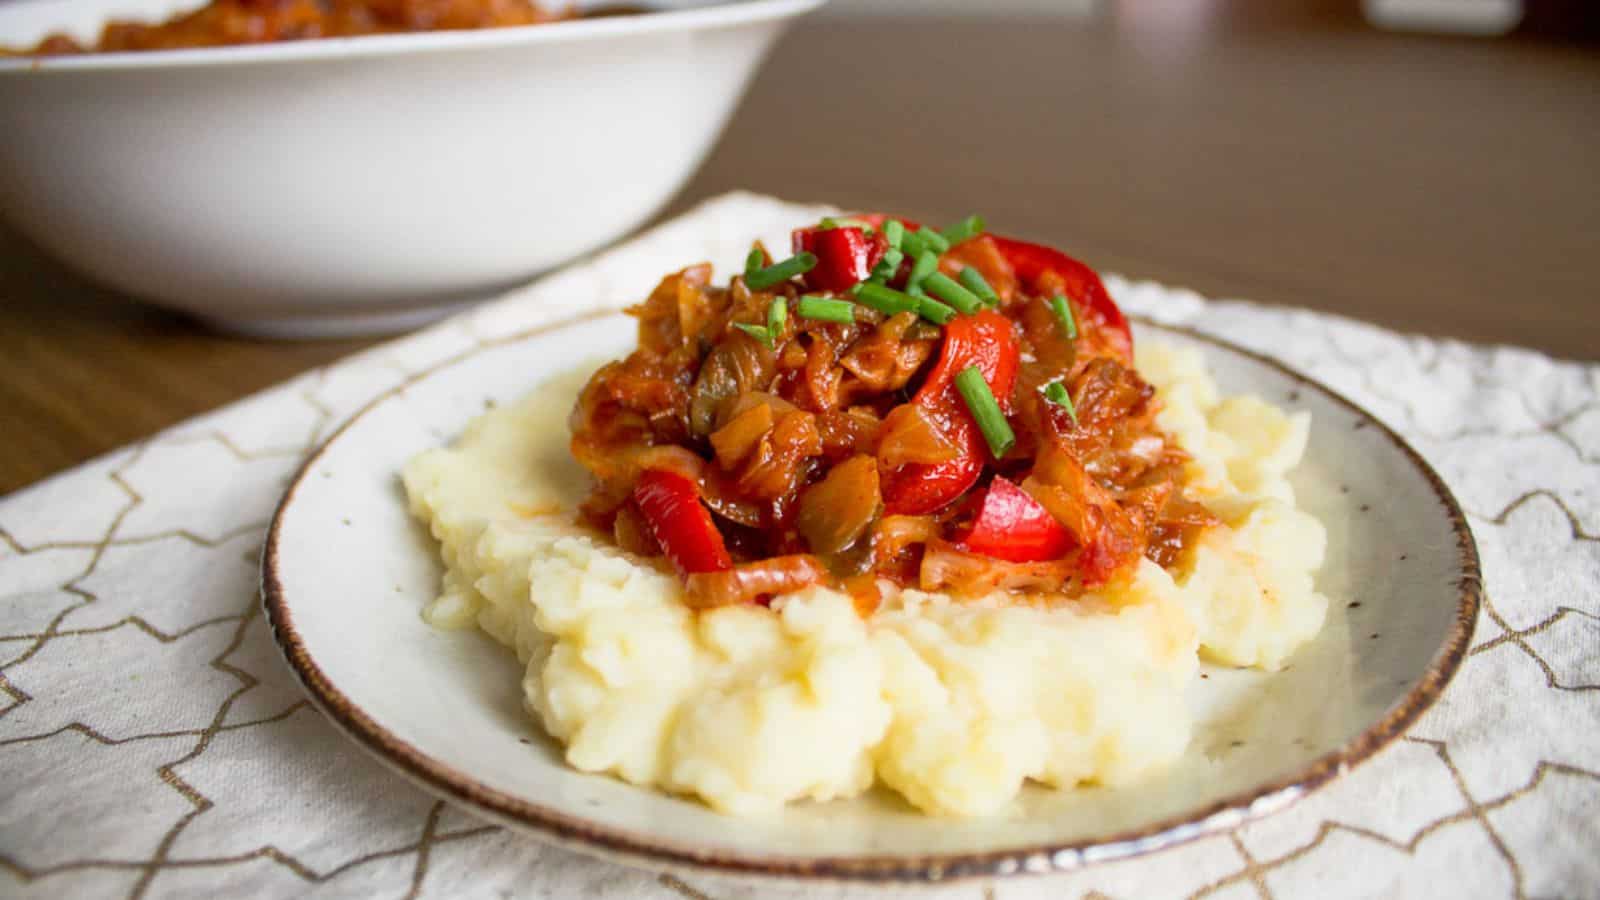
(973, 279)
(934, 311)
(934, 240)
(985, 411)
(825, 309)
(764, 335)
(1063, 311)
(887, 266)
(777, 314)
(927, 263)
(1056, 393)
(945, 288)
(830, 223)
(778, 273)
(754, 261)
(894, 231)
(964, 230)
(885, 300)
(913, 243)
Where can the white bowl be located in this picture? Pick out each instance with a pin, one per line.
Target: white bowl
(356, 185)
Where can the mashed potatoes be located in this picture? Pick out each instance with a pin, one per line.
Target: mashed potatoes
(954, 705)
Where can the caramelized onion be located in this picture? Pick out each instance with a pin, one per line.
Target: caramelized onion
(886, 359)
(737, 364)
(632, 533)
(910, 435)
(773, 467)
(896, 532)
(897, 541)
(735, 440)
(864, 593)
(818, 388)
(945, 568)
(672, 459)
(846, 433)
(737, 406)
(1107, 392)
(748, 582)
(673, 305)
(836, 511)
(1107, 532)
(722, 497)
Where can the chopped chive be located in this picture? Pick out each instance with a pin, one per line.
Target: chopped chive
(964, 230)
(764, 335)
(888, 266)
(777, 315)
(934, 240)
(945, 288)
(825, 309)
(985, 411)
(754, 261)
(886, 300)
(778, 273)
(934, 311)
(1063, 311)
(1056, 393)
(913, 243)
(894, 231)
(927, 263)
(829, 223)
(975, 283)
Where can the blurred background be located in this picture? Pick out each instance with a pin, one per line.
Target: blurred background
(1429, 165)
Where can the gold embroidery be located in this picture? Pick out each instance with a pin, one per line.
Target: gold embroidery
(681, 888)
(1443, 753)
(424, 851)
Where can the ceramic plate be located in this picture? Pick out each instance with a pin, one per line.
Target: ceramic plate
(346, 573)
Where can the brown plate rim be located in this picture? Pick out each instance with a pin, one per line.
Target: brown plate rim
(630, 847)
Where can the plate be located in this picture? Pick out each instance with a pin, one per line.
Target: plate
(346, 572)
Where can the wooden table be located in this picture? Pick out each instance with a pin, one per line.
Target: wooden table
(1439, 185)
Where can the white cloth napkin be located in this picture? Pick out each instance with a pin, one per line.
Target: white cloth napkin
(153, 744)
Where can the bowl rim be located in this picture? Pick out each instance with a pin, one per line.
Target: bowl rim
(725, 14)
(621, 845)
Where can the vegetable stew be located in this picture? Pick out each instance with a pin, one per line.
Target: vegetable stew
(948, 410)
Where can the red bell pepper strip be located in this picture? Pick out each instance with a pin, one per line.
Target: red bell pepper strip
(918, 489)
(680, 522)
(985, 340)
(1012, 526)
(1043, 269)
(844, 256)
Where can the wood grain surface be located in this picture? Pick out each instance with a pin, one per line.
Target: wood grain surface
(1439, 185)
